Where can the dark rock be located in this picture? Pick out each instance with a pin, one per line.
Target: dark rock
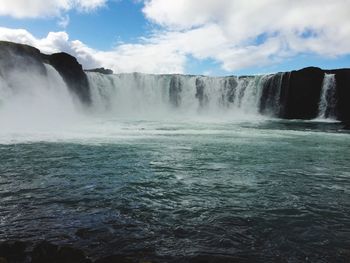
(19, 57)
(69, 254)
(303, 93)
(346, 125)
(72, 73)
(116, 259)
(13, 251)
(46, 252)
(25, 58)
(100, 70)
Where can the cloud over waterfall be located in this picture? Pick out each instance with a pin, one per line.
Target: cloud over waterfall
(236, 34)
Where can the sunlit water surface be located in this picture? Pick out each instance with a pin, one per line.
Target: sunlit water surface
(260, 191)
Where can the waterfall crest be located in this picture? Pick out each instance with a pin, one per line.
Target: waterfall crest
(144, 94)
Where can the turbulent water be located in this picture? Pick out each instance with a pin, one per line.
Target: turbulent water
(161, 168)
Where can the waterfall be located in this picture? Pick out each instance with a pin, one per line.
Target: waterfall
(327, 104)
(270, 99)
(138, 94)
(41, 98)
(33, 99)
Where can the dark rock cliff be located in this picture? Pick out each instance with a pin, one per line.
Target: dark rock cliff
(302, 93)
(20, 57)
(72, 73)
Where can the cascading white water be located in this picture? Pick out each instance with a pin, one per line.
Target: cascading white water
(326, 109)
(34, 100)
(154, 95)
(129, 94)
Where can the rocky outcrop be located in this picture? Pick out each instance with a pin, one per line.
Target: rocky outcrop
(46, 252)
(17, 57)
(105, 71)
(302, 93)
(72, 73)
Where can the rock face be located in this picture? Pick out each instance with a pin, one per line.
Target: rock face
(13, 251)
(100, 70)
(301, 93)
(21, 57)
(43, 252)
(73, 74)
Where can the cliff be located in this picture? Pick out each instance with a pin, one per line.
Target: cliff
(21, 57)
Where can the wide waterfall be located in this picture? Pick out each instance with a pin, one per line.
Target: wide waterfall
(328, 97)
(154, 95)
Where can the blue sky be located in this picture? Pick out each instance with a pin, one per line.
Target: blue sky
(214, 37)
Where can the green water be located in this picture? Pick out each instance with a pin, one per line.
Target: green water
(256, 191)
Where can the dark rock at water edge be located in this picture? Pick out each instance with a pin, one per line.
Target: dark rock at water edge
(47, 252)
(43, 252)
(301, 93)
(13, 251)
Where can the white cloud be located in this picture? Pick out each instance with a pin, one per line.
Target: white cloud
(45, 8)
(241, 34)
(147, 57)
(237, 34)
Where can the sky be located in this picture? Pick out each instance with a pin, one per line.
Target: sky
(207, 37)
